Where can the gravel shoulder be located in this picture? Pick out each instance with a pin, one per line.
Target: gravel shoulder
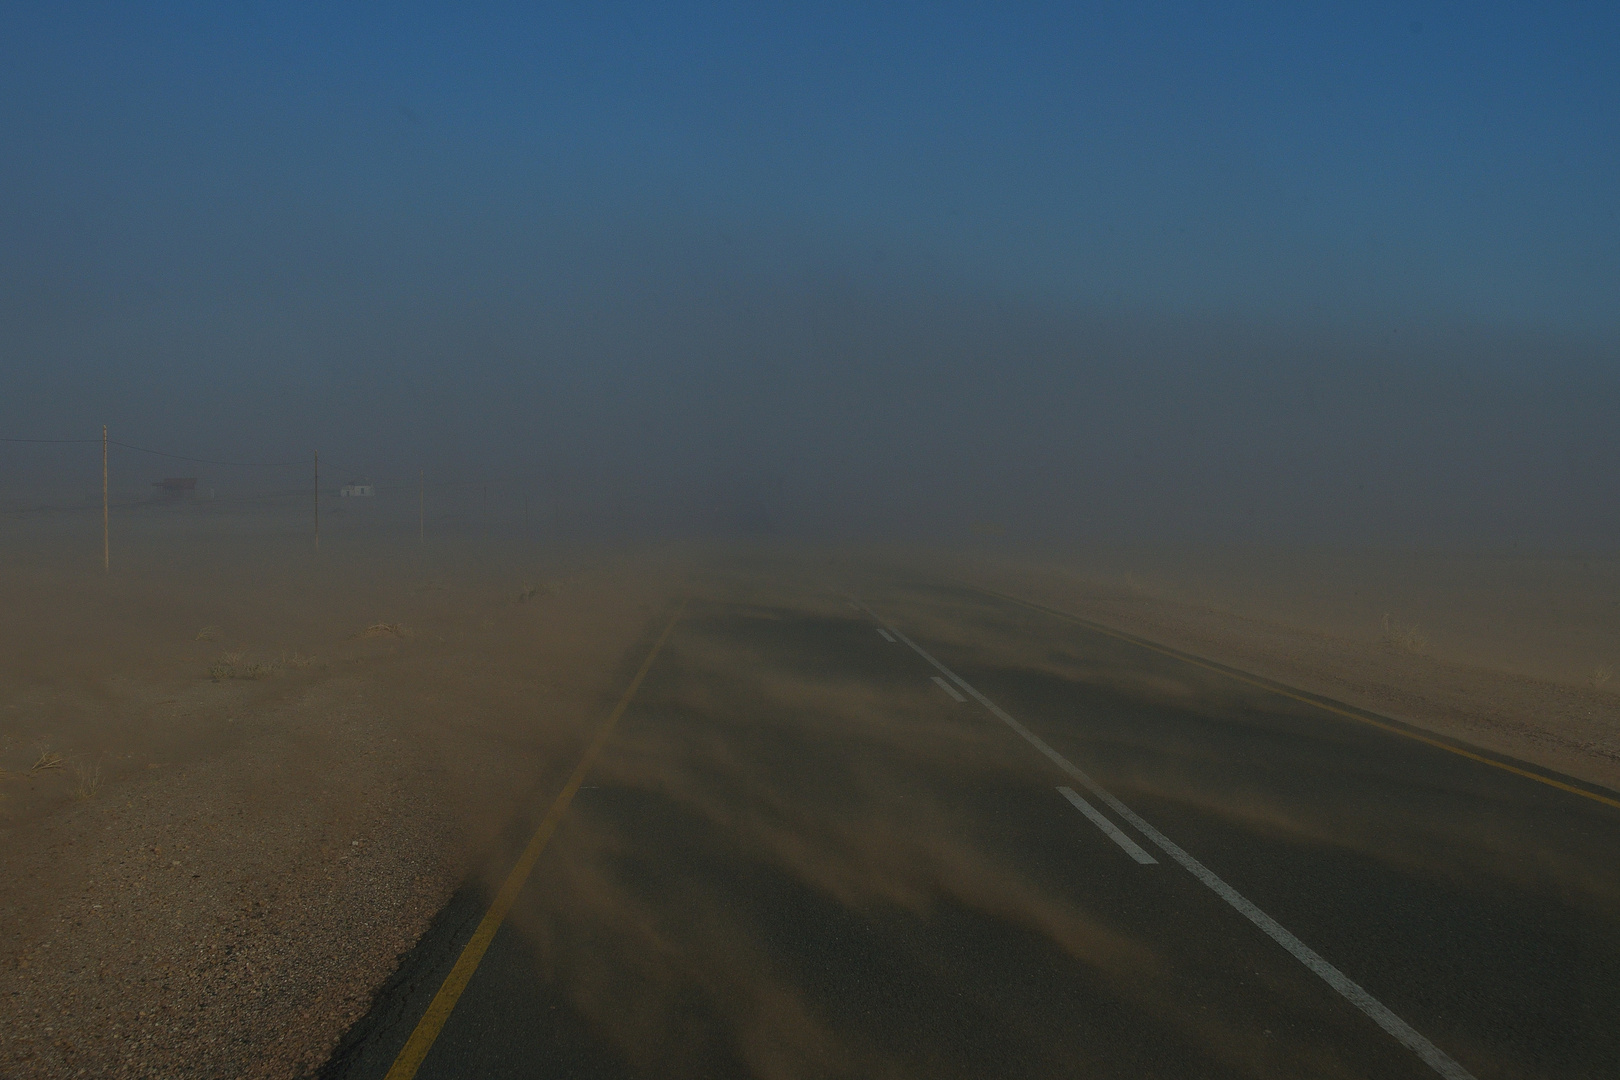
(257, 852)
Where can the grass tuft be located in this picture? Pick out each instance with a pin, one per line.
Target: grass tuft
(86, 778)
(1601, 676)
(384, 629)
(208, 633)
(46, 759)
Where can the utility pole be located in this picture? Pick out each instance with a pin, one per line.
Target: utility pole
(106, 539)
(421, 507)
(317, 500)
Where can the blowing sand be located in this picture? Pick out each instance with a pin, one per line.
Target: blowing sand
(238, 782)
(1515, 654)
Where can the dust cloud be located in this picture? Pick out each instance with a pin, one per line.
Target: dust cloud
(437, 358)
(236, 762)
(855, 411)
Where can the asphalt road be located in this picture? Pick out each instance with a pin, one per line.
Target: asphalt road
(944, 835)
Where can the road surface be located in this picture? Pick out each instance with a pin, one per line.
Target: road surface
(885, 827)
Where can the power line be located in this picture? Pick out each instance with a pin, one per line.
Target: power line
(50, 440)
(164, 453)
(381, 484)
(207, 461)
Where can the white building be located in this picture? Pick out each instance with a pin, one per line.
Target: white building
(357, 490)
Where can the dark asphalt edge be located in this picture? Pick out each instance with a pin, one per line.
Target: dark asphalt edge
(1295, 693)
(366, 1048)
(399, 1003)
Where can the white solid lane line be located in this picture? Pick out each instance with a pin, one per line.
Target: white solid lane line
(1132, 848)
(886, 635)
(1376, 1011)
(948, 688)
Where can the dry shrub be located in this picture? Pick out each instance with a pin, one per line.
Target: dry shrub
(530, 592)
(384, 629)
(1601, 676)
(296, 659)
(234, 666)
(208, 633)
(1402, 639)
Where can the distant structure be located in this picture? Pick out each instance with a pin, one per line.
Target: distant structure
(357, 491)
(175, 487)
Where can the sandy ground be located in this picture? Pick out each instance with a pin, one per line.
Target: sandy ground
(1513, 654)
(226, 809)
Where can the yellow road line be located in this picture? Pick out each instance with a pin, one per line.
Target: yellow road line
(1283, 691)
(438, 1011)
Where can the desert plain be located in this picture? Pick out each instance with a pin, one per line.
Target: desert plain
(239, 776)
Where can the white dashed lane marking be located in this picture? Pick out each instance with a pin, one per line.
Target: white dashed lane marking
(1375, 1010)
(1112, 831)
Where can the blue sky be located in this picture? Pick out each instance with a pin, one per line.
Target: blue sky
(499, 196)
(1347, 161)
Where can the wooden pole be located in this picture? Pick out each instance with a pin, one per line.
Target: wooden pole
(106, 539)
(421, 507)
(317, 500)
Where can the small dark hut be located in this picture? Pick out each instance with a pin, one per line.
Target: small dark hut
(175, 487)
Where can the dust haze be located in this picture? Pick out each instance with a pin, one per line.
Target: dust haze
(831, 408)
(441, 364)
